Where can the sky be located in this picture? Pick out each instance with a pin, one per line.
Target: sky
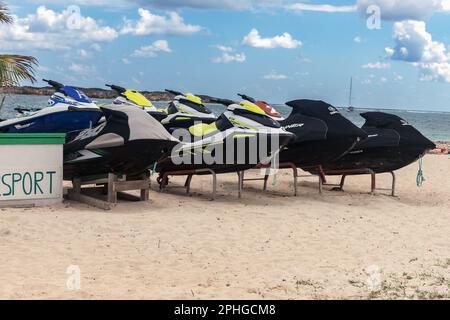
(397, 51)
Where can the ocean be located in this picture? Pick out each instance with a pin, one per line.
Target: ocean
(434, 125)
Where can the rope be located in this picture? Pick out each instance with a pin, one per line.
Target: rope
(152, 171)
(420, 177)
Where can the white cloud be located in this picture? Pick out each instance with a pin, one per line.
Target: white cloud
(209, 4)
(285, 41)
(96, 47)
(435, 72)
(83, 53)
(126, 61)
(398, 10)
(48, 29)
(357, 39)
(415, 45)
(228, 55)
(150, 23)
(321, 8)
(152, 51)
(377, 65)
(81, 69)
(275, 76)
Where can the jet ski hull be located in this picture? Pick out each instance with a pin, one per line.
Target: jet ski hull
(323, 134)
(392, 144)
(132, 159)
(309, 154)
(246, 157)
(57, 122)
(379, 160)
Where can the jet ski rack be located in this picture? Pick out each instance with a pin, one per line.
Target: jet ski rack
(114, 186)
(281, 166)
(284, 165)
(354, 172)
(163, 180)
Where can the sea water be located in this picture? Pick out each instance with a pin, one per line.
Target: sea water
(434, 125)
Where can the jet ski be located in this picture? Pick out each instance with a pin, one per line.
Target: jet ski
(186, 110)
(392, 144)
(69, 109)
(137, 99)
(128, 142)
(322, 133)
(240, 139)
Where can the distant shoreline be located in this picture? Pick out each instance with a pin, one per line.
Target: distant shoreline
(94, 93)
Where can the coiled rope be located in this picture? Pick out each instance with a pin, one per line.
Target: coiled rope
(420, 177)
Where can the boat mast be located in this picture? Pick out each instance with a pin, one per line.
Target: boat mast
(351, 93)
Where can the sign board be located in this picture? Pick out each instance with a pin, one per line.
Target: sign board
(31, 169)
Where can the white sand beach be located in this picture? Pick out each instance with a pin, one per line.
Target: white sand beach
(339, 245)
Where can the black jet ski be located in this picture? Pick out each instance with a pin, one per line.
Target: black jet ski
(392, 144)
(240, 139)
(69, 109)
(128, 142)
(322, 133)
(185, 110)
(137, 99)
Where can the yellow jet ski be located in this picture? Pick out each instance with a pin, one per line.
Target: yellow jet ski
(137, 99)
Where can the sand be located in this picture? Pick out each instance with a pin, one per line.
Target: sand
(349, 245)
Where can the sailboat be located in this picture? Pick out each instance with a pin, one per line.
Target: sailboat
(350, 100)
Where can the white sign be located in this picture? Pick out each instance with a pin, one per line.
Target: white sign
(25, 184)
(31, 174)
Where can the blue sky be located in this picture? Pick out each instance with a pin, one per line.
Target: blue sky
(274, 49)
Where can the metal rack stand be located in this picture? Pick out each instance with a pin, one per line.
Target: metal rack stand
(163, 179)
(354, 172)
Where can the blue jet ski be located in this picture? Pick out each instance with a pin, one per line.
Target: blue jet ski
(69, 109)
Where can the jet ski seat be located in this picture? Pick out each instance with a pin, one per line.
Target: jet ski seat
(202, 129)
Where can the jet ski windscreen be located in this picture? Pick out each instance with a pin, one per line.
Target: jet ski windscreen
(76, 94)
(409, 136)
(337, 125)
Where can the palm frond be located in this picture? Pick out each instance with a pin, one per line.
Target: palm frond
(15, 68)
(5, 17)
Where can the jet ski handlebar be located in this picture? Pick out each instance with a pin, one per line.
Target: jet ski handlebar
(225, 102)
(118, 89)
(54, 84)
(245, 97)
(175, 93)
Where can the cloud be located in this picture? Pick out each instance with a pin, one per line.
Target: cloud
(48, 29)
(357, 39)
(435, 72)
(209, 4)
(152, 51)
(228, 55)
(398, 10)
(81, 69)
(377, 65)
(150, 23)
(415, 45)
(275, 76)
(321, 8)
(253, 39)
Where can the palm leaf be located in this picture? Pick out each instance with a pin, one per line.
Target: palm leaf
(5, 17)
(15, 68)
